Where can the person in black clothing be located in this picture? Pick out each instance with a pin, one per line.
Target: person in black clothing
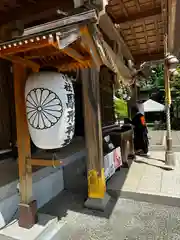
(141, 142)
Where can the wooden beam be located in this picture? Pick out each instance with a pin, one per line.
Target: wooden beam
(107, 26)
(27, 211)
(73, 54)
(134, 17)
(69, 65)
(27, 47)
(90, 45)
(45, 163)
(24, 62)
(41, 54)
(121, 68)
(93, 131)
(145, 57)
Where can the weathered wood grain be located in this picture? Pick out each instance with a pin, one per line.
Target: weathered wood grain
(23, 139)
(92, 117)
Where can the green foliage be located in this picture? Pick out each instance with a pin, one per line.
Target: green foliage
(155, 80)
(176, 80)
(121, 110)
(175, 86)
(157, 76)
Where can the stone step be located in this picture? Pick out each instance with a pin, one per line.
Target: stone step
(51, 232)
(47, 183)
(63, 233)
(145, 197)
(45, 229)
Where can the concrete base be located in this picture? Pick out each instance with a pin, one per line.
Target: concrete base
(47, 228)
(169, 160)
(28, 214)
(97, 203)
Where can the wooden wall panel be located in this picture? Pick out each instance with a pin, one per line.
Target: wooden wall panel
(7, 106)
(106, 95)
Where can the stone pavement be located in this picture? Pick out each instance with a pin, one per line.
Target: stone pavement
(176, 137)
(138, 208)
(147, 180)
(157, 138)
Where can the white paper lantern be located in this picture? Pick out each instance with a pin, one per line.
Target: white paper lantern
(50, 109)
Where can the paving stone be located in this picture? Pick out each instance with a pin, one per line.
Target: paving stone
(176, 137)
(156, 137)
(126, 179)
(150, 183)
(149, 179)
(171, 184)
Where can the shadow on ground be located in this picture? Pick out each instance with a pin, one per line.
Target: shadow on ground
(73, 198)
(68, 201)
(150, 164)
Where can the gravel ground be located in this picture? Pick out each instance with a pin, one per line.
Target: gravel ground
(123, 219)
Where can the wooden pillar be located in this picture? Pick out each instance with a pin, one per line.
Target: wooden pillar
(93, 133)
(97, 197)
(27, 207)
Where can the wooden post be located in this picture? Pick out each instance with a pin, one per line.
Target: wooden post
(27, 216)
(97, 196)
(93, 132)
